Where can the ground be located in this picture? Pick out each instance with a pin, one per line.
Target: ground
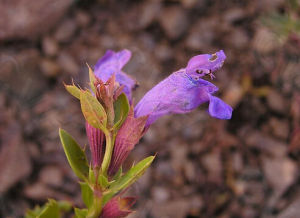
(244, 167)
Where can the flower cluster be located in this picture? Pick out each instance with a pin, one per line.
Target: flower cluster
(114, 125)
(181, 92)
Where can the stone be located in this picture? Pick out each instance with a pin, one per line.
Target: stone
(83, 19)
(277, 102)
(265, 143)
(233, 14)
(65, 31)
(49, 68)
(51, 175)
(28, 19)
(148, 13)
(160, 194)
(280, 128)
(68, 63)
(264, 41)
(213, 164)
(201, 34)
(174, 21)
(280, 173)
(49, 46)
(176, 209)
(15, 164)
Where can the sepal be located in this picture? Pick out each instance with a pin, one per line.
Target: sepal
(121, 108)
(92, 110)
(73, 90)
(118, 207)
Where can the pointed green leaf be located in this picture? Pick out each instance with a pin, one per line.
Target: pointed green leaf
(129, 178)
(121, 107)
(73, 90)
(75, 155)
(86, 194)
(92, 110)
(34, 212)
(52, 209)
(80, 213)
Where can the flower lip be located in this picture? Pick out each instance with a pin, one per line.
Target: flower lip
(206, 64)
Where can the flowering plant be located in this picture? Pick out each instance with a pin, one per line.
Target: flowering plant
(114, 126)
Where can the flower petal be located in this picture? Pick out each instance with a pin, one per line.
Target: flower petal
(178, 93)
(205, 63)
(113, 62)
(219, 109)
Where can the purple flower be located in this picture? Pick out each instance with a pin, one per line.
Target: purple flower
(113, 62)
(184, 90)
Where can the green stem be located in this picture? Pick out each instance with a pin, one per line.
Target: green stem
(108, 151)
(96, 208)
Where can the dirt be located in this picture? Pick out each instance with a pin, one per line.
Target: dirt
(244, 167)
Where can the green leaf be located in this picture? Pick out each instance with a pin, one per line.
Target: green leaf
(92, 110)
(86, 194)
(73, 90)
(34, 212)
(92, 79)
(80, 213)
(91, 175)
(121, 107)
(64, 205)
(75, 155)
(52, 209)
(118, 175)
(129, 178)
(103, 181)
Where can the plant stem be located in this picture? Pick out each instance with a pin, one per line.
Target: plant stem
(108, 151)
(96, 208)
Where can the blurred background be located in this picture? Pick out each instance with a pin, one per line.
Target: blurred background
(245, 167)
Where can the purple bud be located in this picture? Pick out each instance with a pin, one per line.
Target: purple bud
(96, 139)
(128, 136)
(113, 62)
(118, 207)
(184, 90)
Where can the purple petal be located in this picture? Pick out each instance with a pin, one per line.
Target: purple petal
(113, 62)
(178, 93)
(219, 109)
(184, 90)
(201, 65)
